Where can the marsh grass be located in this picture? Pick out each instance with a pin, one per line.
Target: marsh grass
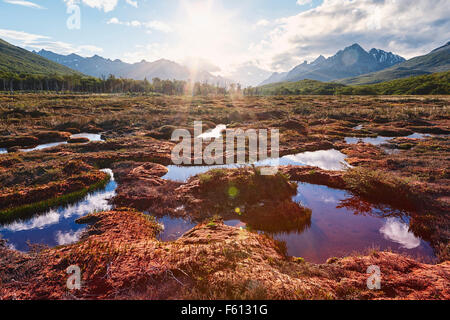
(32, 209)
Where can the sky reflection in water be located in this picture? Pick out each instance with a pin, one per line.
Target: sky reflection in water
(90, 136)
(57, 226)
(335, 230)
(382, 140)
(339, 231)
(325, 159)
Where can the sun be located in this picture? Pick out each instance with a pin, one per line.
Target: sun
(206, 31)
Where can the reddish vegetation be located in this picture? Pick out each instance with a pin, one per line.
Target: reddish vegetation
(77, 176)
(20, 141)
(140, 186)
(120, 258)
(332, 179)
(362, 154)
(33, 139)
(78, 140)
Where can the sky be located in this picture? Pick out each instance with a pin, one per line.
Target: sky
(229, 37)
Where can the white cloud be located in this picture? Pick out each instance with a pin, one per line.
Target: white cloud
(28, 4)
(397, 26)
(105, 5)
(113, 21)
(150, 25)
(40, 222)
(37, 42)
(303, 2)
(158, 25)
(262, 23)
(398, 232)
(132, 3)
(64, 238)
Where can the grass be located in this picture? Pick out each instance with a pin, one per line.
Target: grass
(28, 210)
(377, 185)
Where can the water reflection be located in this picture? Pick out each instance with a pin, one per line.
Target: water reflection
(90, 136)
(397, 231)
(58, 225)
(325, 159)
(173, 228)
(44, 146)
(286, 217)
(362, 207)
(337, 223)
(382, 140)
(336, 229)
(214, 133)
(63, 238)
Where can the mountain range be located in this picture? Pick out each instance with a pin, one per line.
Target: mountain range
(349, 62)
(352, 65)
(437, 60)
(99, 67)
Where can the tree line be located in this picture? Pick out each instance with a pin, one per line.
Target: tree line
(79, 83)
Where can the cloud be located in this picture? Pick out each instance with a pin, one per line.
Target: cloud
(37, 42)
(40, 222)
(64, 238)
(150, 25)
(397, 26)
(132, 3)
(303, 2)
(28, 4)
(149, 52)
(262, 23)
(158, 25)
(113, 21)
(105, 5)
(398, 232)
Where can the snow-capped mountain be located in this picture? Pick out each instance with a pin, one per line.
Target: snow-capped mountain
(349, 62)
(385, 59)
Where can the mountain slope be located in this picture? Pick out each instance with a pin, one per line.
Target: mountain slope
(100, 67)
(437, 60)
(436, 83)
(17, 60)
(274, 78)
(302, 87)
(351, 61)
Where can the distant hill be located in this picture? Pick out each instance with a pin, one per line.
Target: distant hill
(349, 62)
(302, 87)
(17, 60)
(437, 60)
(100, 67)
(437, 83)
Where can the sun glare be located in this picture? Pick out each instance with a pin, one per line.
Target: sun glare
(206, 31)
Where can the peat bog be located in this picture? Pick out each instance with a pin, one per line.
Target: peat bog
(361, 181)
